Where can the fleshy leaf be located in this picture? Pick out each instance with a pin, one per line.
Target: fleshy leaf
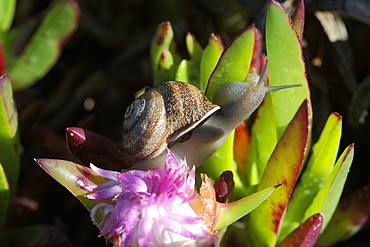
(234, 62)
(4, 196)
(165, 60)
(223, 160)
(328, 197)
(73, 177)
(209, 60)
(232, 66)
(45, 46)
(350, 216)
(283, 168)
(165, 68)
(161, 41)
(224, 187)
(228, 213)
(194, 48)
(286, 65)
(9, 145)
(195, 53)
(159, 48)
(264, 139)
(2, 59)
(182, 73)
(258, 59)
(318, 168)
(222, 157)
(298, 18)
(7, 10)
(241, 148)
(90, 147)
(306, 234)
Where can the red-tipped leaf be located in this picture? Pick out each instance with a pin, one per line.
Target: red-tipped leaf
(90, 147)
(298, 18)
(2, 59)
(282, 168)
(234, 62)
(73, 177)
(306, 234)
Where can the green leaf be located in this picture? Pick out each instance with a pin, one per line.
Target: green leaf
(351, 216)
(165, 71)
(232, 66)
(182, 73)
(7, 10)
(318, 168)
(286, 65)
(73, 177)
(220, 161)
(4, 196)
(223, 160)
(228, 213)
(234, 62)
(328, 197)
(282, 168)
(264, 139)
(193, 47)
(195, 52)
(9, 139)
(209, 60)
(160, 43)
(44, 48)
(325, 151)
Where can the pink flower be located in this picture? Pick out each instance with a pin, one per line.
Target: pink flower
(158, 207)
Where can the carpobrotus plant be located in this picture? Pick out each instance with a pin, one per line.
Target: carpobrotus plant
(162, 206)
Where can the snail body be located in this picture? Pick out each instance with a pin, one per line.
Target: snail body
(179, 116)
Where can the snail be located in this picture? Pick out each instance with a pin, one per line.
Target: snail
(178, 116)
(161, 116)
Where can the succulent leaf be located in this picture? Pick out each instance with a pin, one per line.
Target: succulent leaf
(44, 48)
(282, 168)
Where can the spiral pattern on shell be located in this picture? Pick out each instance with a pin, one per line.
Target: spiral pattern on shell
(162, 115)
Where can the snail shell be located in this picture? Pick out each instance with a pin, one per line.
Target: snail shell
(161, 116)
